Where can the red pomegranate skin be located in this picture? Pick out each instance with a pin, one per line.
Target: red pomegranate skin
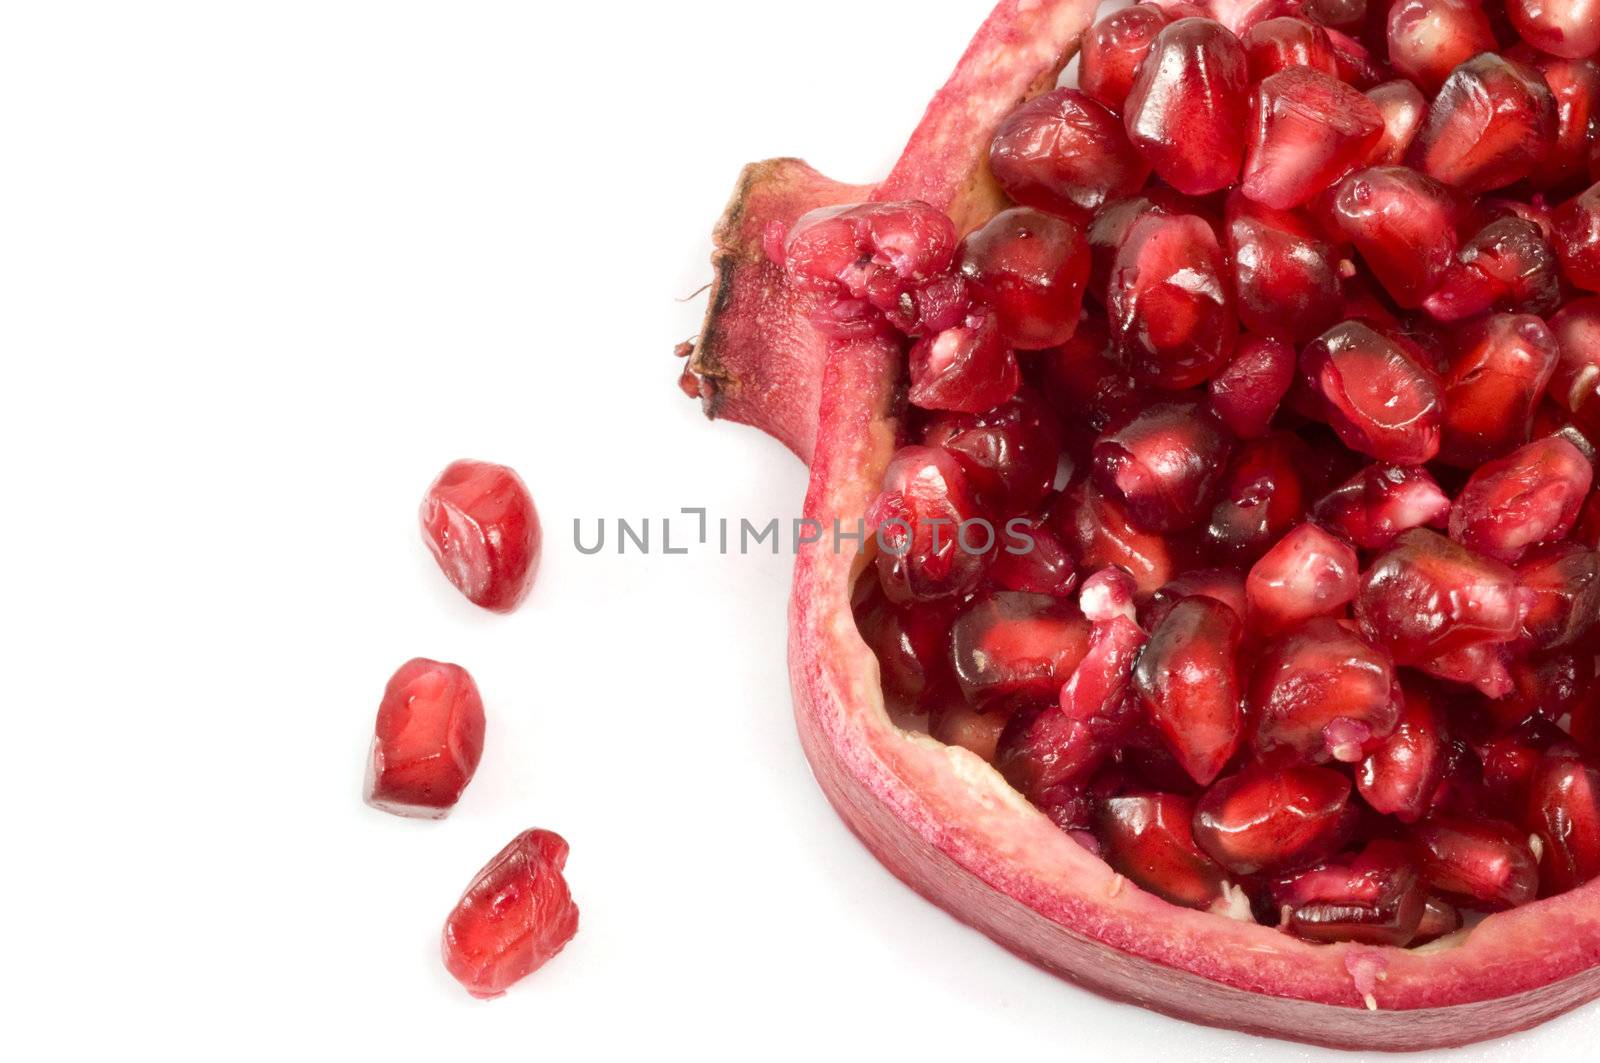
(481, 526)
(427, 741)
(515, 915)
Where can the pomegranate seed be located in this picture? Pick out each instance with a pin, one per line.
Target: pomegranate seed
(1034, 560)
(1575, 84)
(1510, 761)
(1274, 821)
(1009, 648)
(1375, 898)
(1108, 594)
(1224, 585)
(1170, 303)
(1427, 597)
(1403, 109)
(1403, 224)
(1532, 496)
(1308, 574)
(1549, 687)
(1462, 792)
(481, 527)
(1563, 809)
(1576, 383)
(967, 369)
(427, 741)
(1376, 395)
(1400, 776)
(1101, 535)
(1164, 465)
(961, 725)
(1187, 109)
(850, 264)
(912, 646)
(1246, 394)
(1322, 692)
(1009, 453)
(1098, 687)
(1288, 44)
(1355, 63)
(1114, 47)
(1089, 385)
(1508, 265)
(1577, 239)
(1380, 502)
(1492, 123)
(1561, 585)
(929, 308)
(1188, 683)
(1148, 840)
(1285, 273)
(1568, 28)
(513, 918)
(1485, 665)
(1439, 917)
(1064, 152)
(1486, 864)
(1263, 495)
(1430, 38)
(1498, 373)
(1306, 130)
(1030, 268)
(926, 499)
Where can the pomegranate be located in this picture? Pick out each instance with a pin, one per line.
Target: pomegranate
(1092, 794)
(480, 525)
(515, 915)
(1429, 38)
(427, 741)
(1577, 239)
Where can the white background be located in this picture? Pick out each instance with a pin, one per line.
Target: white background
(265, 268)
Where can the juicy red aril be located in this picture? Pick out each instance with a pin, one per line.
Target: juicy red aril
(1484, 863)
(1568, 28)
(1114, 47)
(961, 725)
(1529, 497)
(1561, 588)
(1108, 594)
(1086, 382)
(516, 914)
(1375, 898)
(1009, 647)
(427, 741)
(481, 527)
(1575, 84)
(1223, 585)
(1510, 760)
(1035, 560)
(1381, 501)
(1187, 680)
(1030, 268)
(926, 499)
(1576, 383)
(1306, 130)
(1009, 452)
(1403, 224)
(1577, 238)
(1400, 776)
(1498, 372)
(1427, 597)
(1163, 466)
(1507, 265)
(1308, 574)
(1101, 533)
(1377, 397)
(1430, 38)
(1064, 152)
(911, 645)
(1285, 273)
(1170, 302)
(1097, 690)
(1492, 123)
(1288, 44)
(1403, 109)
(1563, 809)
(1148, 840)
(1548, 686)
(967, 369)
(1246, 394)
(1263, 495)
(1187, 109)
(1322, 693)
(1274, 820)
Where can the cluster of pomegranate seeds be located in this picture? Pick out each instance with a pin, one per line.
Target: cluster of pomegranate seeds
(1245, 514)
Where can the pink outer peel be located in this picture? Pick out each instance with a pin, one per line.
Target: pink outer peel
(942, 819)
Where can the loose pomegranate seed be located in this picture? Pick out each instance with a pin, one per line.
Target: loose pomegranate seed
(1034, 560)
(911, 644)
(1400, 776)
(1263, 495)
(1561, 585)
(1170, 302)
(1246, 394)
(1507, 265)
(1224, 585)
(1486, 864)
(1375, 898)
(1164, 465)
(1439, 917)
(1308, 574)
(1288, 44)
(1380, 502)
(481, 527)
(1188, 106)
(1188, 683)
(1403, 108)
(1577, 239)
(1575, 84)
(1148, 840)
(1285, 273)
(1429, 38)
(1377, 397)
(1403, 223)
(1114, 47)
(1532, 496)
(851, 264)
(967, 369)
(1306, 130)
(1009, 453)
(514, 917)
(1323, 693)
(1568, 28)
(1030, 268)
(1010, 648)
(1064, 152)
(1101, 534)
(427, 741)
(1563, 810)
(1492, 123)
(1498, 372)
(926, 499)
(1274, 821)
